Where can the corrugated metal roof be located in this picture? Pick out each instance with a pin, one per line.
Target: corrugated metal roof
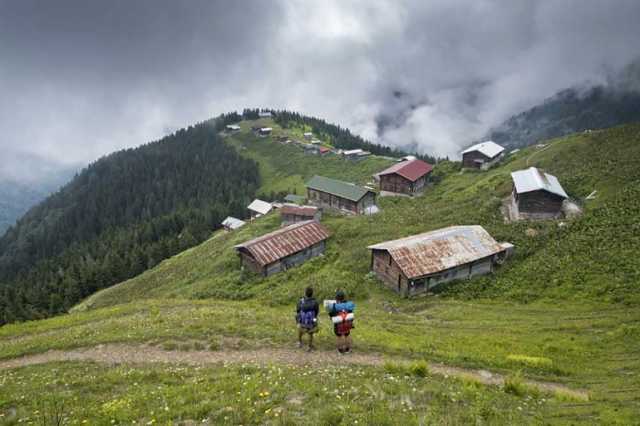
(260, 206)
(411, 169)
(533, 179)
(352, 152)
(341, 189)
(435, 251)
(285, 242)
(233, 223)
(488, 148)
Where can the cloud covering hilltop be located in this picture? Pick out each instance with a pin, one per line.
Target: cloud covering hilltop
(81, 79)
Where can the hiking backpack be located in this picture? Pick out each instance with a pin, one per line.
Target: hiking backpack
(307, 319)
(307, 315)
(344, 322)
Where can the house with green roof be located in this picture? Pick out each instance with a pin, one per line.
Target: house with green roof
(342, 196)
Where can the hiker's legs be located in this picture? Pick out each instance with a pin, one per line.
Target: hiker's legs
(300, 334)
(339, 344)
(347, 342)
(310, 340)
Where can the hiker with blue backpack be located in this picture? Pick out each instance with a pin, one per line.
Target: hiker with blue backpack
(341, 313)
(307, 317)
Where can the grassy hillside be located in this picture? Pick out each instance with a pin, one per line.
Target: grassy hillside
(592, 256)
(286, 168)
(562, 310)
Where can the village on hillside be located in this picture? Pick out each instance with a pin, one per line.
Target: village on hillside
(412, 265)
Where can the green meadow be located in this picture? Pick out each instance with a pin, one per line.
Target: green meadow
(563, 309)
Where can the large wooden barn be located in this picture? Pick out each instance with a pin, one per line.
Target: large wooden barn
(407, 177)
(482, 155)
(343, 196)
(536, 195)
(293, 213)
(283, 249)
(417, 264)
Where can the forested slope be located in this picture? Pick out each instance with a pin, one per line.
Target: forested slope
(121, 215)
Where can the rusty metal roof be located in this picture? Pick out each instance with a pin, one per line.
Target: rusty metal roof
(411, 169)
(297, 210)
(279, 244)
(435, 251)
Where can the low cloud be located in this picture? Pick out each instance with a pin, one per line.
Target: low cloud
(81, 79)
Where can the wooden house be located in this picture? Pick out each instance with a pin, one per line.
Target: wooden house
(265, 114)
(232, 223)
(417, 264)
(265, 131)
(308, 136)
(259, 208)
(283, 249)
(338, 195)
(293, 213)
(323, 150)
(232, 128)
(407, 177)
(482, 155)
(536, 195)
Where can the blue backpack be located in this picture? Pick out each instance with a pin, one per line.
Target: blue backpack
(307, 319)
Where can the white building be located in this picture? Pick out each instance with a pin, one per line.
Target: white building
(232, 223)
(259, 208)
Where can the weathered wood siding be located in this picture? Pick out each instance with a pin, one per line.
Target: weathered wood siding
(395, 183)
(295, 259)
(538, 204)
(469, 159)
(324, 199)
(250, 263)
(367, 201)
(386, 269)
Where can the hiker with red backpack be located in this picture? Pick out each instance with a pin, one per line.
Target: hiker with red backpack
(307, 317)
(341, 313)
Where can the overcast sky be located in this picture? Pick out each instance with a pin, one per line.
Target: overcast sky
(79, 79)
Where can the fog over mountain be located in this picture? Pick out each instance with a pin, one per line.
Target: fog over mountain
(81, 79)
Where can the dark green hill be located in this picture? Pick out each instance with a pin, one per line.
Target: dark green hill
(575, 110)
(119, 216)
(130, 210)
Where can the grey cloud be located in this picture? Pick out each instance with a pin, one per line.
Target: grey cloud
(80, 79)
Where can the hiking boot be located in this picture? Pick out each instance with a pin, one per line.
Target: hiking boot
(300, 345)
(311, 348)
(347, 351)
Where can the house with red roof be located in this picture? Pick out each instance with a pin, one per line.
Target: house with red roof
(407, 177)
(283, 249)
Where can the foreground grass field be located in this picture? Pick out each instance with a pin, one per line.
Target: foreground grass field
(564, 309)
(278, 395)
(585, 346)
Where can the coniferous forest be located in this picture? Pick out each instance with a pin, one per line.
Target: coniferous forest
(120, 216)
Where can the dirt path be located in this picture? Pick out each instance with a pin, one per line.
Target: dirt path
(131, 354)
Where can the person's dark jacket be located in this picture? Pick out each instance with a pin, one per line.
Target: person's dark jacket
(307, 304)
